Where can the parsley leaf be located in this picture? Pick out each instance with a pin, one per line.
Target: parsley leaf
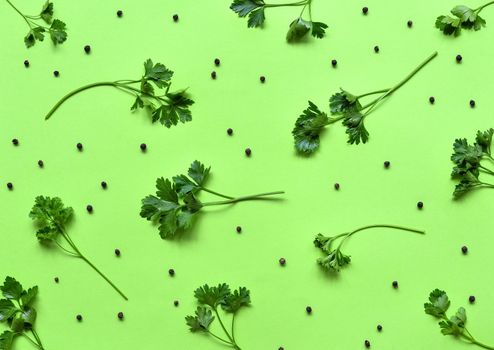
(334, 259)
(464, 17)
(209, 300)
(244, 7)
(176, 203)
(47, 12)
(6, 339)
(345, 107)
(57, 32)
(438, 303)
(256, 18)
(298, 29)
(319, 29)
(51, 217)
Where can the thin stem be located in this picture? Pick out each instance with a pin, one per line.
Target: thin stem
(483, 6)
(487, 170)
(65, 250)
(36, 336)
(219, 338)
(216, 193)
(245, 198)
(32, 341)
(481, 344)
(19, 12)
(233, 327)
(401, 83)
(374, 93)
(223, 326)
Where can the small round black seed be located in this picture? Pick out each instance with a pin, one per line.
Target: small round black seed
(464, 249)
(87, 49)
(471, 299)
(459, 58)
(119, 13)
(365, 10)
(239, 229)
(120, 315)
(117, 252)
(262, 78)
(171, 272)
(175, 18)
(334, 63)
(367, 344)
(213, 75)
(26, 63)
(41, 163)
(281, 348)
(79, 146)
(56, 73)
(89, 208)
(79, 318)
(376, 49)
(420, 205)
(308, 309)
(472, 103)
(176, 303)
(104, 185)
(143, 147)
(336, 186)
(432, 100)
(379, 328)
(15, 142)
(248, 152)
(387, 164)
(217, 62)
(282, 261)
(229, 131)
(409, 24)
(56, 279)
(10, 186)
(395, 284)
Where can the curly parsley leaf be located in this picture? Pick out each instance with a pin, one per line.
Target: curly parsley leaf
(484, 140)
(236, 300)
(212, 296)
(308, 127)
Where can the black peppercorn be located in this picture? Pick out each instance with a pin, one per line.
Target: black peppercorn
(365, 10)
(87, 49)
(367, 344)
(10, 186)
(308, 309)
(432, 100)
(143, 147)
(120, 315)
(119, 13)
(334, 63)
(41, 163)
(213, 75)
(472, 103)
(56, 73)
(56, 279)
(409, 24)
(248, 152)
(379, 328)
(26, 63)
(262, 78)
(464, 249)
(104, 185)
(471, 299)
(239, 229)
(117, 252)
(336, 186)
(376, 49)
(217, 62)
(79, 146)
(459, 58)
(79, 318)
(420, 205)
(395, 284)
(15, 142)
(171, 272)
(89, 208)
(281, 348)
(229, 131)
(282, 261)
(387, 164)
(175, 303)
(175, 18)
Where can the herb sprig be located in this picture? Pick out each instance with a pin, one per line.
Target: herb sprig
(335, 259)
(298, 29)
(37, 29)
(345, 107)
(52, 218)
(168, 108)
(18, 312)
(464, 18)
(176, 204)
(438, 305)
(210, 299)
(470, 161)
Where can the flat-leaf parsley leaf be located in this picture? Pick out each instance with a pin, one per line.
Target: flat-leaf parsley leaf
(464, 17)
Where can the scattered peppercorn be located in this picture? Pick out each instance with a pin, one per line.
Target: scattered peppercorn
(420, 205)
(379, 328)
(308, 309)
(432, 100)
(79, 318)
(239, 229)
(365, 10)
(87, 49)
(471, 299)
(26, 63)
(459, 58)
(248, 152)
(262, 78)
(472, 103)
(56, 73)
(336, 186)
(143, 147)
(376, 49)
(213, 75)
(56, 279)
(334, 63)
(175, 303)
(117, 252)
(79, 146)
(464, 249)
(119, 13)
(217, 62)
(15, 142)
(395, 284)
(41, 163)
(229, 131)
(282, 261)
(175, 18)
(89, 208)
(387, 164)
(104, 185)
(409, 24)
(171, 272)
(120, 315)
(281, 348)
(367, 344)
(10, 186)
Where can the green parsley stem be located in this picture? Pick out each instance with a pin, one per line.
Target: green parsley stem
(32, 341)
(223, 326)
(483, 6)
(36, 336)
(64, 249)
(19, 12)
(245, 198)
(487, 170)
(233, 327)
(219, 338)
(374, 93)
(216, 193)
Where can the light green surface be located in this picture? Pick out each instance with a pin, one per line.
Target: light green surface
(415, 136)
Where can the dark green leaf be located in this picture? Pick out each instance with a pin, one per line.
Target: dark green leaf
(29, 296)
(17, 324)
(7, 309)
(184, 185)
(244, 7)
(308, 128)
(449, 25)
(484, 140)
(198, 172)
(236, 300)
(28, 316)
(319, 29)
(298, 29)
(11, 289)
(6, 339)
(166, 191)
(47, 12)
(354, 121)
(438, 303)
(139, 103)
(201, 321)
(51, 216)
(343, 102)
(192, 203)
(465, 153)
(212, 296)
(168, 224)
(157, 73)
(58, 32)
(455, 325)
(34, 34)
(334, 261)
(256, 18)
(152, 207)
(176, 110)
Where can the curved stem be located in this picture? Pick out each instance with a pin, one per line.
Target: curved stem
(483, 6)
(373, 93)
(223, 326)
(219, 338)
(75, 92)
(36, 336)
(19, 12)
(245, 198)
(487, 170)
(32, 341)
(216, 193)
(65, 250)
(233, 327)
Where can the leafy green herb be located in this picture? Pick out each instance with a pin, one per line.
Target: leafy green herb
(52, 218)
(470, 161)
(298, 29)
(176, 204)
(438, 305)
(345, 107)
(168, 108)
(18, 312)
(38, 29)
(334, 258)
(210, 299)
(463, 18)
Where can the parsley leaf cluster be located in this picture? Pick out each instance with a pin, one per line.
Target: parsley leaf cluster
(41, 24)
(52, 217)
(470, 161)
(298, 28)
(18, 312)
(334, 259)
(175, 204)
(438, 305)
(153, 94)
(345, 107)
(210, 300)
(463, 17)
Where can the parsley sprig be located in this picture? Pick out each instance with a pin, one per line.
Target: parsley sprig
(176, 204)
(210, 299)
(470, 161)
(345, 107)
(52, 218)
(18, 312)
(168, 108)
(438, 305)
(37, 29)
(335, 259)
(464, 18)
(298, 29)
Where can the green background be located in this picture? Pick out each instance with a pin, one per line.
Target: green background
(406, 130)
